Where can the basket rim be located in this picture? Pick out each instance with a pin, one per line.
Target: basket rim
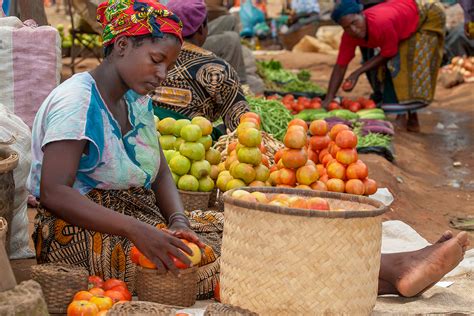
(9, 163)
(155, 271)
(194, 193)
(380, 207)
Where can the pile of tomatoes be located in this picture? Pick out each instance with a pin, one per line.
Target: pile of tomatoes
(352, 105)
(100, 297)
(296, 105)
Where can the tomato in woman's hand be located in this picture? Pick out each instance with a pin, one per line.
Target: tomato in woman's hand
(111, 283)
(347, 85)
(135, 254)
(178, 263)
(95, 281)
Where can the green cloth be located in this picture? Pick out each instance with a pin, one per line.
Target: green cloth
(162, 113)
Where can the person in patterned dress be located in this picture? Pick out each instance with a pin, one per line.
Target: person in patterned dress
(200, 84)
(409, 38)
(97, 167)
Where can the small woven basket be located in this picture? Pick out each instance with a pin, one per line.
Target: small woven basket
(195, 200)
(141, 308)
(281, 261)
(217, 309)
(167, 288)
(59, 283)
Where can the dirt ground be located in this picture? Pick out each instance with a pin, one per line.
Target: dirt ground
(429, 191)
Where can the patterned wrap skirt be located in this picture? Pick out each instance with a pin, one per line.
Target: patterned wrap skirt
(107, 256)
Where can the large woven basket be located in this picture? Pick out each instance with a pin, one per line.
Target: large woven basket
(280, 261)
(195, 200)
(8, 162)
(167, 288)
(59, 283)
(217, 309)
(141, 308)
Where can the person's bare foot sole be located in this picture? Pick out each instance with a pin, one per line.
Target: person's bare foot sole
(427, 266)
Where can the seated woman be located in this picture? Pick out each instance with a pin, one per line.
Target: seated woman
(200, 84)
(97, 169)
(410, 36)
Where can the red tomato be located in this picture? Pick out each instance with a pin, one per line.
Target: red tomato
(95, 281)
(178, 263)
(345, 103)
(124, 290)
(370, 104)
(347, 85)
(314, 105)
(134, 254)
(114, 295)
(298, 107)
(355, 106)
(333, 106)
(111, 283)
(316, 99)
(288, 97)
(273, 97)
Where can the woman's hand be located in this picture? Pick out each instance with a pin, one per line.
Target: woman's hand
(157, 245)
(350, 82)
(181, 230)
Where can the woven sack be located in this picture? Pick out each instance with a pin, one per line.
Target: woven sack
(8, 162)
(194, 200)
(281, 261)
(59, 283)
(7, 278)
(141, 308)
(25, 299)
(217, 309)
(166, 288)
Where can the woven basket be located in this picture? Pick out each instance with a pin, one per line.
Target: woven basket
(8, 162)
(213, 198)
(167, 288)
(195, 200)
(141, 308)
(277, 260)
(59, 283)
(217, 309)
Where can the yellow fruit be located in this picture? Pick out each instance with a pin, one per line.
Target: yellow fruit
(261, 173)
(188, 183)
(250, 137)
(204, 124)
(191, 133)
(206, 141)
(178, 125)
(244, 172)
(166, 126)
(206, 184)
(193, 151)
(167, 142)
(213, 156)
(180, 165)
(250, 155)
(200, 169)
(234, 184)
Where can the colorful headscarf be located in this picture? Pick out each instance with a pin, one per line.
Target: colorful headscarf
(345, 7)
(133, 18)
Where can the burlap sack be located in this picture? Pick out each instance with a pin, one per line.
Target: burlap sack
(26, 299)
(8, 162)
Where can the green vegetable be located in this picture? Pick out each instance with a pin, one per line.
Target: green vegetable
(372, 116)
(304, 75)
(374, 139)
(312, 114)
(344, 114)
(274, 116)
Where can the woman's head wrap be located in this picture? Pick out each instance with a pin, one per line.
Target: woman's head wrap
(193, 13)
(134, 18)
(345, 7)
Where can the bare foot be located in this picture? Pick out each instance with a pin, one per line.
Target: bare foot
(421, 269)
(412, 123)
(447, 235)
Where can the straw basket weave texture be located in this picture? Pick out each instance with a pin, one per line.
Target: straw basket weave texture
(281, 261)
(167, 288)
(141, 308)
(217, 309)
(8, 162)
(195, 200)
(24, 299)
(59, 284)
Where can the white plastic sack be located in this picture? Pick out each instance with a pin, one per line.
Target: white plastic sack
(30, 65)
(12, 125)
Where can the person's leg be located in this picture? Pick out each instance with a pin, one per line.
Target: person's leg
(410, 273)
(413, 125)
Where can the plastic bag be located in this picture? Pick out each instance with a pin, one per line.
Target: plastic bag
(12, 125)
(249, 17)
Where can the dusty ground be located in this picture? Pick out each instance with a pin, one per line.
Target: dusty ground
(429, 191)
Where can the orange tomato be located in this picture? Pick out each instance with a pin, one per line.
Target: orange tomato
(95, 281)
(298, 122)
(146, 263)
(178, 263)
(110, 283)
(250, 115)
(102, 302)
(82, 296)
(96, 291)
(347, 85)
(346, 139)
(82, 308)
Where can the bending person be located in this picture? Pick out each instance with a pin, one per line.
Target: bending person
(410, 37)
